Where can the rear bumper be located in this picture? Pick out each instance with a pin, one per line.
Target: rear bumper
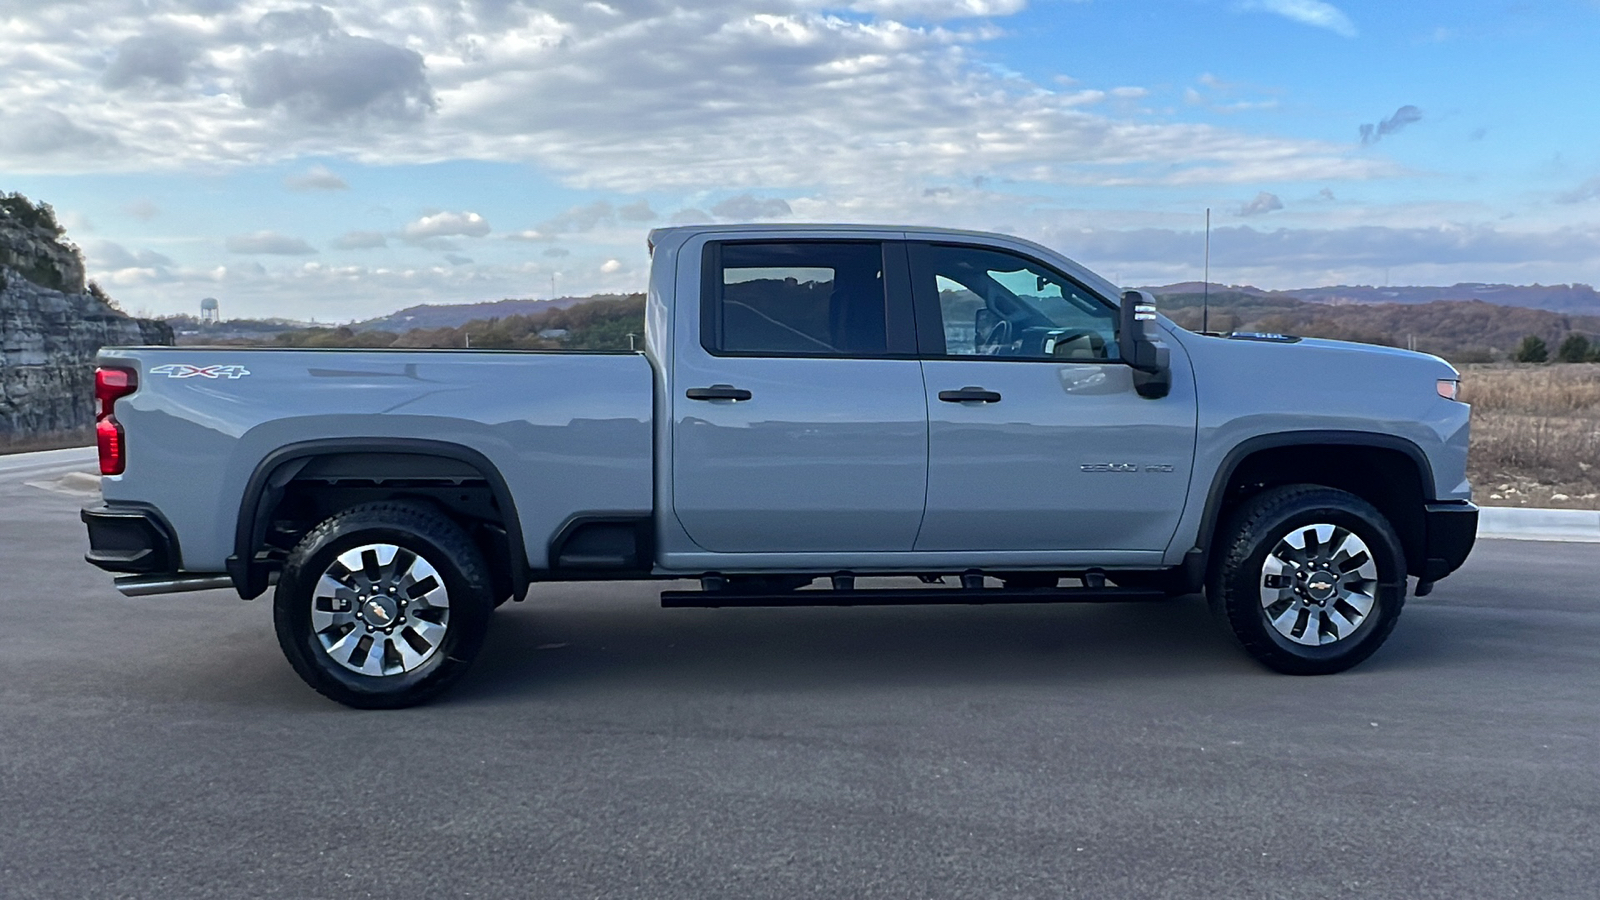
(1452, 530)
(129, 540)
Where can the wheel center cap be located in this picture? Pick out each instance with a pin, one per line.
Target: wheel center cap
(380, 611)
(1321, 587)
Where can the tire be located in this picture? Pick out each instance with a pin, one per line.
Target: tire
(402, 579)
(1318, 608)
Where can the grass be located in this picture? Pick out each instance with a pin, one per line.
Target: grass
(1535, 434)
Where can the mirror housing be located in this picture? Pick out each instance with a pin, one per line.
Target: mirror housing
(1139, 342)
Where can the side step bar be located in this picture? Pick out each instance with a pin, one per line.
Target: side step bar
(147, 585)
(903, 597)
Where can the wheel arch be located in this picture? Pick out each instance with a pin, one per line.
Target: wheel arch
(1390, 472)
(392, 458)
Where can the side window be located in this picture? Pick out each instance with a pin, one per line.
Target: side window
(795, 298)
(993, 303)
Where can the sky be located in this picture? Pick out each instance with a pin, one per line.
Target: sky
(336, 162)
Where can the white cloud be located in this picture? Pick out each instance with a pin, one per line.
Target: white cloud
(1263, 203)
(338, 77)
(637, 211)
(144, 209)
(269, 242)
(1405, 115)
(1308, 12)
(447, 224)
(938, 10)
(749, 207)
(578, 218)
(1589, 190)
(317, 178)
(530, 235)
(361, 240)
(602, 95)
(611, 266)
(108, 256)
(152, 60)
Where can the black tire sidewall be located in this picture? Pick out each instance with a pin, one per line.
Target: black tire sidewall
(1241, 576)
(463, 577)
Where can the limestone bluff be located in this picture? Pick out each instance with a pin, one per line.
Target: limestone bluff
(51, 324)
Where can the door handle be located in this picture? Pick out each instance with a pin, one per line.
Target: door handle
(969, 394)
(723, 392)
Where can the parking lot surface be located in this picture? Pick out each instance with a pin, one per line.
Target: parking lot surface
(605, 747)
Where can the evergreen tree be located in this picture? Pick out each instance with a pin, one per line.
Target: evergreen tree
(1532, 350)
(1574, 349)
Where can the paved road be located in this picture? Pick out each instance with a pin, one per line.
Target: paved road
(605, 747)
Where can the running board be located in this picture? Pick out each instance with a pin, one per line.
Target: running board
(903, 597)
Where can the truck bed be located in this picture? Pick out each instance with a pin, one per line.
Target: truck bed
(204, 421)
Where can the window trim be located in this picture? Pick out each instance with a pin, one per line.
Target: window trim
(930, 316)
(900, 331)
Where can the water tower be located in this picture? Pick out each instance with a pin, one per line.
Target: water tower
(209, 314)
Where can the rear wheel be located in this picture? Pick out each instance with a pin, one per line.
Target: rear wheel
(1310, 580)
(383, 605)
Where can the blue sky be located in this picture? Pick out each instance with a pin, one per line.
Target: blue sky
(341, 161)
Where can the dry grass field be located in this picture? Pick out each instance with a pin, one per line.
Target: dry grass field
(1535, 434)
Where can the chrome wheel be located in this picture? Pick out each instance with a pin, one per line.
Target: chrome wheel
(1318, 584)
(379, 609)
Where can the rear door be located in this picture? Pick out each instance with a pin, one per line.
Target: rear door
(1037, 439)
(799, 415)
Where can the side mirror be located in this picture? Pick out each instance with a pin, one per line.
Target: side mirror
(983, 320)
(1139, 341)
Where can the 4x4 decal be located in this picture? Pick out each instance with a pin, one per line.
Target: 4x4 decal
(182, 370)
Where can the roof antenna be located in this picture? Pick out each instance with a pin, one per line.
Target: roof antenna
(1205, 296)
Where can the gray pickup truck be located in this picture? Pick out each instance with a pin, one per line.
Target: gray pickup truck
(814, 404)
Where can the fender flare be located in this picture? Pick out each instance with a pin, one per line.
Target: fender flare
(266, 484)
(1198, 559)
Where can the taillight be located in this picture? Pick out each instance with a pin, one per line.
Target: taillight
(110, 384)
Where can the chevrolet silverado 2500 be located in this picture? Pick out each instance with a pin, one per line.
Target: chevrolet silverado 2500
(812, 403)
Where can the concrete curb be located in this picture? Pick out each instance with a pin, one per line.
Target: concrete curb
(48, 462)
(1519, 524)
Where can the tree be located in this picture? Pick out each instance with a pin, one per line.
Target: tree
(20, 209)
(1574, 349)
(1532, 350)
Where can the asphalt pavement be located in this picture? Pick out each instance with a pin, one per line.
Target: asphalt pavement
(604, 747)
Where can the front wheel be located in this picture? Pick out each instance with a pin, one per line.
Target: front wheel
(383, 605)
(1310, 580)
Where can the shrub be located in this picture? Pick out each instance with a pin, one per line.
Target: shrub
(1532, 350)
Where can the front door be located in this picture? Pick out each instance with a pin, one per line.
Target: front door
(1037, 439)
(799, 422)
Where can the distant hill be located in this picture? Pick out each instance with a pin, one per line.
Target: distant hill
(1461, 331)
(454, 315)
(1579, 299)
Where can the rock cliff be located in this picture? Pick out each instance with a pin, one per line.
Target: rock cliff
(51, 324)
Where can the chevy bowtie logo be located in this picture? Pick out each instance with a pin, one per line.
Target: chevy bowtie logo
(181, 370)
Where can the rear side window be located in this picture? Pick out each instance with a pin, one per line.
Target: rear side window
(795, 298)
